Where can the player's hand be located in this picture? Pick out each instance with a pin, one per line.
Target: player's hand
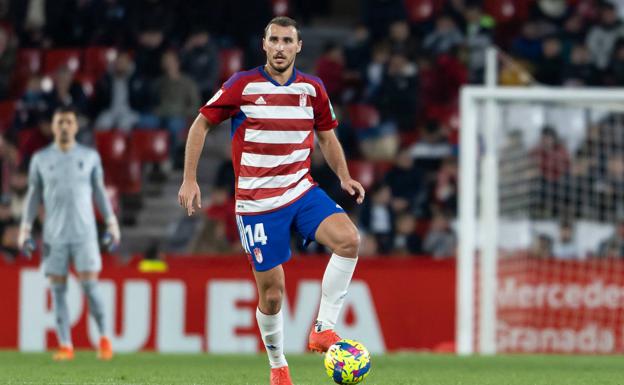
(25, 242)
(112, 236)
(189, 195)
(354, 188)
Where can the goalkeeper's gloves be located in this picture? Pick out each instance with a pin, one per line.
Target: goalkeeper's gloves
(25, 242)
(112, 235)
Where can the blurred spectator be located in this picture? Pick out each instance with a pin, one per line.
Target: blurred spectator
(551, 155)
(8, 48)
(18, 187)
(378, 14)
(401, 41)
(445, 192)
(32, 107)
(178, 99)
(406, 241)
(376, 69)
(565, 246)
(580, 71)
(218, 232)
(149, 51)
(200, 60)
(574, 32)
(602, 37)
(528, 45)
(478, 38)
(444, 37)
(440, 241)
(9, 228)
(357, 50)
(613, 247)
(66, 92)
(330, 68)
(431, 148)
(549, 67)
(9, 158)
(550, 12)
(377, 217)
(406, 183)
(111, 28)
(615, 72)
(116, 94)
(542, 247)
(397, 99)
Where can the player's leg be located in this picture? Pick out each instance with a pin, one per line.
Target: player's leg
(56, 266)
(265, 239)
(322, 220)
(88, 264)
(340, 235)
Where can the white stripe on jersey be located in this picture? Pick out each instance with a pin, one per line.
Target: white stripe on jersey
(250, 182)
(260, 205)
(277, 112)
(275, 137)
(258, 160)
(269, 88)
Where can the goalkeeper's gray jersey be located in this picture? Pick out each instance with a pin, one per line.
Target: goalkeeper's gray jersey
(67, 182)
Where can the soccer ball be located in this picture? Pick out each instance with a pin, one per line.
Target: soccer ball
(347, 362)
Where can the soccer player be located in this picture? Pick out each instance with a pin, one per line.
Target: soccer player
(66, 176)
(275, 110)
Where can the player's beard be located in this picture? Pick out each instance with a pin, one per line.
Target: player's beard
(281, 68)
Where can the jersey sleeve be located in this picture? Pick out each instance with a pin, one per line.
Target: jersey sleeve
(34, 194)
(224, 103)
(99, 189)
(324, 116)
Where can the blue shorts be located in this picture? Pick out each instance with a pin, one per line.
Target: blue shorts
(266, 237)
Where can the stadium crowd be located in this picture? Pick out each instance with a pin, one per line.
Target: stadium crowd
(394, 83)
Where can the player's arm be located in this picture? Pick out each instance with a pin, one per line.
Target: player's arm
(189, 194)
(31, 207)
(333, 153)
(103, 204)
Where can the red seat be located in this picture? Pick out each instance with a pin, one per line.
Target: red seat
(112, 146)
(362, 171)
(231, 62)
(420, 10)
(57, 58)
(97, 59)
(507, 10)
(150, 145)
(7, 112)
(28, 61)
(363, 116)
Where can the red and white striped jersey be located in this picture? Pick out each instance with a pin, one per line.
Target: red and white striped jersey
(272, 135)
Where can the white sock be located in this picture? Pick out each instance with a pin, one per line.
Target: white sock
(334, 289)
(272, 331)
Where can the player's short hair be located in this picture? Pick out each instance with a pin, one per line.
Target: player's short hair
(65, 110)
(283, 21)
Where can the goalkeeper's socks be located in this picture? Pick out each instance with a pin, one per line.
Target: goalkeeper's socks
(61, 313)
(272, 331)
(96, 308)
(334, 290)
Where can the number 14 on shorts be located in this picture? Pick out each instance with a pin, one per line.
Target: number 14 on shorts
(257, 235)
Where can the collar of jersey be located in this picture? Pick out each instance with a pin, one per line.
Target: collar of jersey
(269, 78)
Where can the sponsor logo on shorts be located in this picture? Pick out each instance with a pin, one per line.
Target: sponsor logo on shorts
(258, 254)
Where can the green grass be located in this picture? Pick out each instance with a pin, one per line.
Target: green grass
(151, 368)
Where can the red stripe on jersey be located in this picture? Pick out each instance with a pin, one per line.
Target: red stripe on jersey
(279, 124)
(262, 193)
(276, 100)
(283, 169)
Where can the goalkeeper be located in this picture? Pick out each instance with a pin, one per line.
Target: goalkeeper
(66, 176)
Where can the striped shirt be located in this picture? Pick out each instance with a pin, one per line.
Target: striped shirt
(272, 135)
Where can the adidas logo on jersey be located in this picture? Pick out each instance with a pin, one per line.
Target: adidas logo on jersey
(260, 100)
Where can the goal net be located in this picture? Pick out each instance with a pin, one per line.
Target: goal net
(541, 221)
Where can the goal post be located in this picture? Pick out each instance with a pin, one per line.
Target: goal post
(484, 130)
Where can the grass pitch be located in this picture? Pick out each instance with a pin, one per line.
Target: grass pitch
(396, 369)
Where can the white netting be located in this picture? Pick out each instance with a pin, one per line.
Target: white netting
(560, 228)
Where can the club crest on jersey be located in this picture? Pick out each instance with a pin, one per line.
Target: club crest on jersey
(303, 100)
(258, 254)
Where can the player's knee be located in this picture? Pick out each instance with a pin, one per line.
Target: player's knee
(349, 243)
(273, 301)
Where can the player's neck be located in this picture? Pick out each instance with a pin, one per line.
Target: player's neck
(280, 77)
(65, 147)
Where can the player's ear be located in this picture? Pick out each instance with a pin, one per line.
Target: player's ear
(264, 45)
(299, 45)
